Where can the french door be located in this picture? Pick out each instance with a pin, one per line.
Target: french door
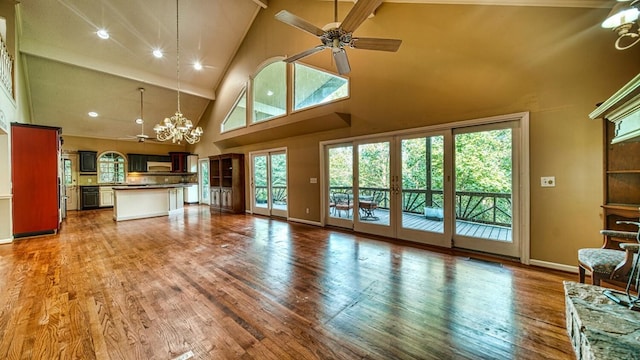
(456, 187)
(70, 182)
(269, 183)
(487, 188)
(203, 181)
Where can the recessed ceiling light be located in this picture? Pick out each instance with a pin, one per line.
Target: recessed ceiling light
(139, 121)
(269, 93)
(197, 65)
(93, 114)
(102, 34)
(157, 53)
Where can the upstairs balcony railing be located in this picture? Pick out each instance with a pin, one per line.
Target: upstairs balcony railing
(480, 207)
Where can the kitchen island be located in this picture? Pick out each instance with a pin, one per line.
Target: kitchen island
(143, 201)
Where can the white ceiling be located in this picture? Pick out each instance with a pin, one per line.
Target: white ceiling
(70, 71)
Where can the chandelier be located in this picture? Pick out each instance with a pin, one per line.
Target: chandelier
(177, 127)
(623, 19)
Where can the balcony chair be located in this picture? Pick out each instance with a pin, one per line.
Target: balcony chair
(611, 262)
(343, 202)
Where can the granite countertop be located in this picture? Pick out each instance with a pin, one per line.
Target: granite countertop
(610, 331)
(151, 186)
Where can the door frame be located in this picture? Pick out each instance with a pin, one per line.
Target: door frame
(201, 182)
(523, 230)
(486, 245)
(269, 210)
(73, 197)
(425, 237)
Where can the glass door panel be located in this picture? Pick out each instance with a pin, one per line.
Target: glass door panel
(340, 185)
(269, 183)
(374, 195)
(485, 181)
(260, 181)
(422, 214)
(278, 183)
(203, 181)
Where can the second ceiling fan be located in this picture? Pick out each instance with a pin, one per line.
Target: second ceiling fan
(336, 36)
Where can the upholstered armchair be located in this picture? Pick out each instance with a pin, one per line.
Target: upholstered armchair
(611, 262)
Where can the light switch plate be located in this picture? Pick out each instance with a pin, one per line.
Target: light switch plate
(313, 180)
(548, 181)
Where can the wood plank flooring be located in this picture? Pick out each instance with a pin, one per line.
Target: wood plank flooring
(210, 286)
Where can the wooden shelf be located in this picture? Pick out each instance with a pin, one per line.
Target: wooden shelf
(623, 171)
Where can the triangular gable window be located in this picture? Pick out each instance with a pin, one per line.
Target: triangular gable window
(314, 87)
(237, 117)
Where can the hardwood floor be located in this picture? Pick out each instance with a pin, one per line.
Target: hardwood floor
(235, 286)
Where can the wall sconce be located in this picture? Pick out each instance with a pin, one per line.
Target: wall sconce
(623, 20)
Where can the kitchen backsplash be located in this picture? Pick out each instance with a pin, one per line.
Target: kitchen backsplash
(143, 179)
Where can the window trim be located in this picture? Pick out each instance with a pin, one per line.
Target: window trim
(243, 92)
(124, 165)
(292, 93)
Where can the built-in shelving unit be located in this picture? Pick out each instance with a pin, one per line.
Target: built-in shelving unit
(226, 181)
(621, 146)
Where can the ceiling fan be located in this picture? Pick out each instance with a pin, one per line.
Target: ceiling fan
(142, 137)
(336, 36)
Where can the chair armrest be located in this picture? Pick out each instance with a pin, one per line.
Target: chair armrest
(623, 269)
(633, 247)
(613, 237)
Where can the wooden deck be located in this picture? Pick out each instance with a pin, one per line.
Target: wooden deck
(233, 286)
(463, 228)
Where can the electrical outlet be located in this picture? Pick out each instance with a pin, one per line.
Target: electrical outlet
(548, 181)
(307, 210)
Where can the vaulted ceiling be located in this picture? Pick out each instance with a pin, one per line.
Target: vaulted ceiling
(70, 71)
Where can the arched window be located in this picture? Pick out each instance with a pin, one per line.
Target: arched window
(111, 168)
(270, 92)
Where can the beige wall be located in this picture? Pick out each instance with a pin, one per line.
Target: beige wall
(75, 143)
(457, 63)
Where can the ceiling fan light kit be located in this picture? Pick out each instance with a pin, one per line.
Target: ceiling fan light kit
(336, 36)
(624, 19)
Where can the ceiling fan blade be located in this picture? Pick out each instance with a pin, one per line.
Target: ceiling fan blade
(295, 21)
(376, 44)
(305, 53)
(342, 63)
(359, 13)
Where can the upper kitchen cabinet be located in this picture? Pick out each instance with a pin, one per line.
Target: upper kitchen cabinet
(35, 177)
(137, 162)
(179, 162)
(88, 162)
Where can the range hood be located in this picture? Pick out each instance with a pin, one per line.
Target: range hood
(157, 166)
(623, 109)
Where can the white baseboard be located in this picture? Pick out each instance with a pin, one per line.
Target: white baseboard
(303, 221)
(6, 241)
(554, 266)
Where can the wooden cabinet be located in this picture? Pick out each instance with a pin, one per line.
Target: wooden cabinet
(88, 161)
(226, 181)
(90, 197)
(621, 129)
(106, 196)
(137, 162)
(621, 181)
(179, 161)
(36, 179)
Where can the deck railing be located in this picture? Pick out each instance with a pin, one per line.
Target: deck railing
(279, 194)
(479, 207)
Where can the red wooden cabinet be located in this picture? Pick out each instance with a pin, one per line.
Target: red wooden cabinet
(35, 154)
